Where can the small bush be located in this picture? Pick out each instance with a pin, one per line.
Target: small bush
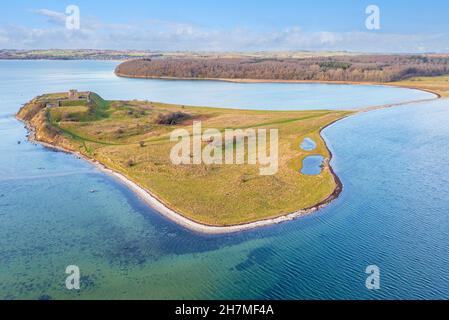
(68, 117)
(172, 119)
(130, 163)
(246, 177)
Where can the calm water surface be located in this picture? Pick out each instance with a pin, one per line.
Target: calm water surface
(308, 145)
(394, 211)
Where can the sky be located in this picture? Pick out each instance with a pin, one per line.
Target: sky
(404, 26)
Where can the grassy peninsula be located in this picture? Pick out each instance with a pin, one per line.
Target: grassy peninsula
(133, 139)
(438, 85)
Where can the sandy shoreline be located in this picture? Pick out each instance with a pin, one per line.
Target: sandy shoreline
(158, 205)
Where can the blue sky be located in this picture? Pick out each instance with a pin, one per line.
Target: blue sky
(406, 26)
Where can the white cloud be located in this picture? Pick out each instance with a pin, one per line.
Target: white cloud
(171, 36)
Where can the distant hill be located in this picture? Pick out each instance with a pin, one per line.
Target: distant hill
(87, 54)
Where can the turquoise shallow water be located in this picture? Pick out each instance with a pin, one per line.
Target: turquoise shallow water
(393, 212)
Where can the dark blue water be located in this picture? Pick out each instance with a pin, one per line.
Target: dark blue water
(394, 213)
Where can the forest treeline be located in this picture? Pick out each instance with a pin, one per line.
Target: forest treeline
(362, 68)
